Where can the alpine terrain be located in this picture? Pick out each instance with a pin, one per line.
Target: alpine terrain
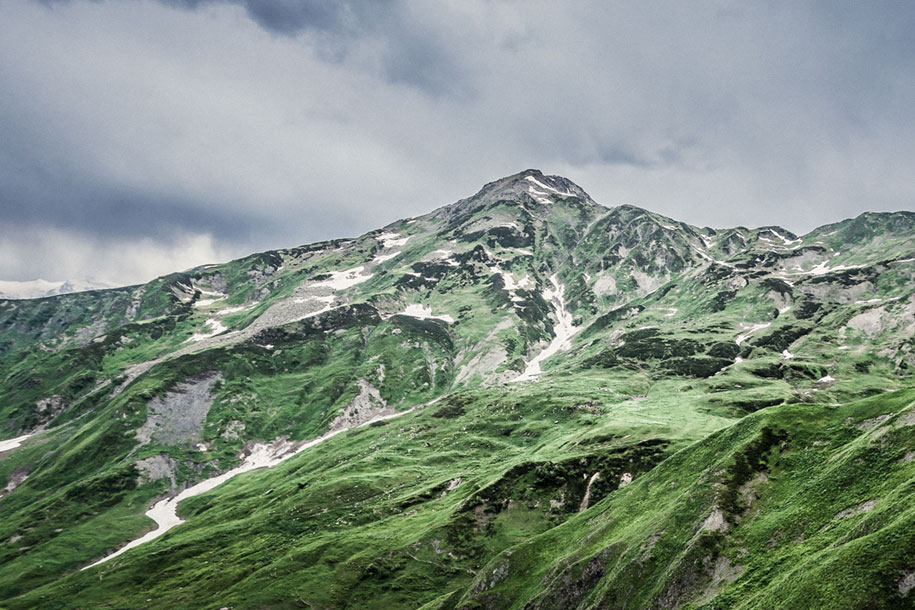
(520, 400)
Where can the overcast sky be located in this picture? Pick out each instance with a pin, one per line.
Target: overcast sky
(139, 137)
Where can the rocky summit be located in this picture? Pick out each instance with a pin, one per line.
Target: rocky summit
(523, 399)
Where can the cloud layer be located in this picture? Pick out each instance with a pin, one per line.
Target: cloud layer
(149, 128)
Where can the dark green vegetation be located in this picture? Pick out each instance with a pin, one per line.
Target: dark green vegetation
(729, 425)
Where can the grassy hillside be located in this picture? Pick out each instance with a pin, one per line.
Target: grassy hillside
(725, 421)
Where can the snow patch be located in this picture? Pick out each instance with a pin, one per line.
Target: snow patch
(425, 312)
(216, 327)
(750, 328)
(564, 330)
(548, 188)
(230, 310)
(385, 257)
(12, 443)
(392, 240)
(341, 280)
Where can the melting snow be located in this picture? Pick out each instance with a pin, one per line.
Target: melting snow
(564, 331)
(787, 355)
(228, 310)
(511, 285)
(385, 257)
(392, 240)
(714, 260)
(750, 328)
(424, 311)
(11, 443)
(207, 302)
(539, 196)
(549, 188)
(826, 379)
(783, 238)
(216, 327)
(341, 280)
(822, 269)
(165, 512)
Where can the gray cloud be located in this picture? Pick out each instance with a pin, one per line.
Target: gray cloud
(408, 53)
(265, 123)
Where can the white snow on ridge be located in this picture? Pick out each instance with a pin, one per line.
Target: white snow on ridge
(564, 330)
(392, 240)
(11, 443)
(540, 196)
(549, 188)
(782, 237)
(341, 280)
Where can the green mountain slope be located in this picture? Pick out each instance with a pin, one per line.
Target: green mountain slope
(523, 399)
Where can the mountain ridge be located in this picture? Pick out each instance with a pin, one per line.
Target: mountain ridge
(510, 382)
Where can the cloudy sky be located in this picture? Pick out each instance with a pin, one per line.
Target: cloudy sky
(139, 137)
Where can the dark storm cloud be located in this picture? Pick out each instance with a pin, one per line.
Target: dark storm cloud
(254, 124)
(294, 16)
(410, 54)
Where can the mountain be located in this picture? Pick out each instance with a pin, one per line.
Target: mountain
(523, 399)
(36, 289)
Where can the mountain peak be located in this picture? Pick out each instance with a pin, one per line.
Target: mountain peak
(532, 183)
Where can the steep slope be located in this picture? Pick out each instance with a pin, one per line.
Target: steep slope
(554, 350)
(797, 506)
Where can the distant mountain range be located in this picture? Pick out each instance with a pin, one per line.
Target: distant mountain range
(36, 289)
(523, 399)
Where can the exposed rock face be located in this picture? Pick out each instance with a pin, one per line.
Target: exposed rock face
(367, 405)
(157, 467)
(177, 418)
